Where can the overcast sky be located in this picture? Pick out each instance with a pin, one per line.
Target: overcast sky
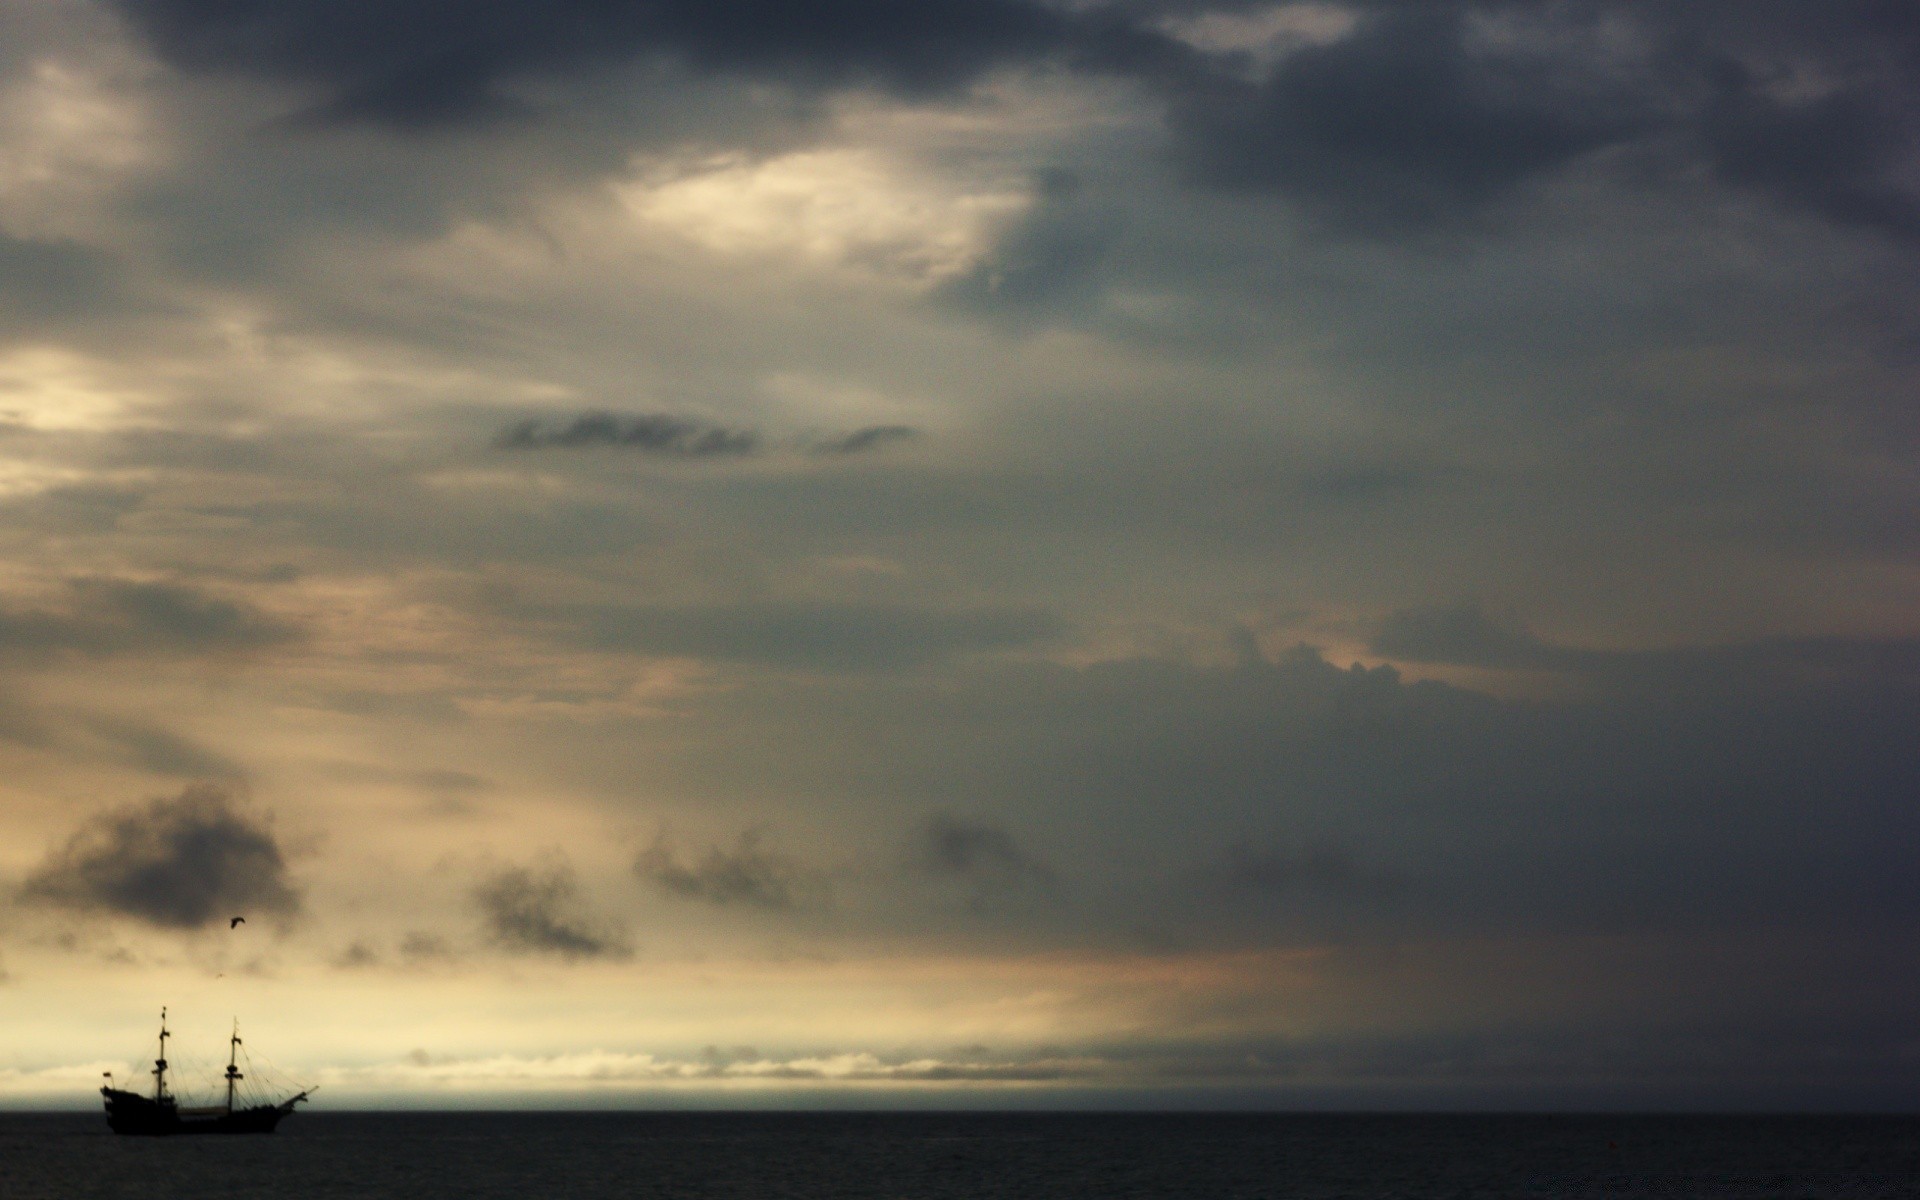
(963, 552)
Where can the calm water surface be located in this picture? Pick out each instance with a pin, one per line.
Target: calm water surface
(900, 1156)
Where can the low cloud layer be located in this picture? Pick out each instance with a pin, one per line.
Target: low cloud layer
(184, 862)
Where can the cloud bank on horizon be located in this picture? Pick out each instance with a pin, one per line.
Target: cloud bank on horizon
(1346, 551)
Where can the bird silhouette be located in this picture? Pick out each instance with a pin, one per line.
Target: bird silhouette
(236, 923)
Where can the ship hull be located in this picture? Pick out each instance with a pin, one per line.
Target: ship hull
(128, 1113)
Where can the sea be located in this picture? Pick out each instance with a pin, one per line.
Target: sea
(974, 1156)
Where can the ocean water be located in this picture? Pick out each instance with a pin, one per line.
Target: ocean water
(973, 1156)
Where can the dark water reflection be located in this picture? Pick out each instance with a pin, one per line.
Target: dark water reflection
(919, 1156)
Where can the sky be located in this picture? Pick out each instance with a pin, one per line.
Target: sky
(966, 553)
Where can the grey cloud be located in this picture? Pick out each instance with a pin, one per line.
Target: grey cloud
(984, 858)
(84, 508)
(54, 281)
(108, 617)
(182, 862)
(162, 751)
(356, 955)
(416, 949)
(749, 875)
(1047, 262)
(868, 438)
(681, 437)
(421, 947)
(843, 636)
(538, 911)
(1464, 634)
(1270, 871)
(647, 433)
(431, 779)
(180, 615)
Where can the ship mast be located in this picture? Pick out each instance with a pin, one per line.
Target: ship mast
(233, 1073)
(160, 1064)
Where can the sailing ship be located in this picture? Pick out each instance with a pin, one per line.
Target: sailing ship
(161, 1114)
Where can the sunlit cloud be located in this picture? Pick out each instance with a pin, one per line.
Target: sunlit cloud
(47, 388)
(843, 209)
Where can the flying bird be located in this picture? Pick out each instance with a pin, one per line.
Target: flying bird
(236, 923)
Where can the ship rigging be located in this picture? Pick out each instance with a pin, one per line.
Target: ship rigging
(161, 1114)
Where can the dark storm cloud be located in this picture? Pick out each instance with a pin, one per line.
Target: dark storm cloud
(1736, 788)
(749, 875)
(183, 862)
(420, 62)
(1840, 155)
(1761, 1051)
(1428, 112)
(538, 911)
(108, 617)
(1403, 122)
(648, 433)
(1423, 116)
(1812, 105)
(845, 636)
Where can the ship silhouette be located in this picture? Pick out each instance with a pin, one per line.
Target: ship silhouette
(161, 1115)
